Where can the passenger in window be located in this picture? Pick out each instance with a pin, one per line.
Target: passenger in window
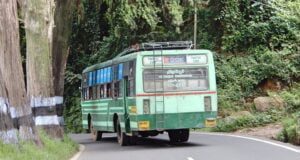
(130, 71)
(105, 91)
(108, 90)
(101, 91)
(115, 90)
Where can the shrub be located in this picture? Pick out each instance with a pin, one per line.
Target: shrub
(292, 98)
(231, 123)
(291, 130)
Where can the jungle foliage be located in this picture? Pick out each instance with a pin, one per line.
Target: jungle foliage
(254, 40)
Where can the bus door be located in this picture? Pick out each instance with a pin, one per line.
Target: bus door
(125, 94)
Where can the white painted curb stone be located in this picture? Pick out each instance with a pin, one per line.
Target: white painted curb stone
(77, 155)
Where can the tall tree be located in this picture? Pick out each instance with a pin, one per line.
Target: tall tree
(39, 24)
(60, 51)
(47, 26)
(15, 111)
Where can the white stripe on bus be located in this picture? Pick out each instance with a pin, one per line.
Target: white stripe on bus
(96, 109)
(95, 105)
(133, 124)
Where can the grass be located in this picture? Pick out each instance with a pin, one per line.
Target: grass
(52, 149)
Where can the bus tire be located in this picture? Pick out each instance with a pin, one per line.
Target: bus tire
(123, 139)
(144, 134)
(185, 134)
(89, 124)
(133, 140)
(96, 135)
(179, 135)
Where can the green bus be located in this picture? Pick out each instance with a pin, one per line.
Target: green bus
(149, 89)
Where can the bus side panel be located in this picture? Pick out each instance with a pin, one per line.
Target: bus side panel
(116, 106)
(98, 110)
(131, 106)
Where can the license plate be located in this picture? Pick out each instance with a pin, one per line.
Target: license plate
(210, 122)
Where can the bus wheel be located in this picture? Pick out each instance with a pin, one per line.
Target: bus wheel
(179, 135)
(97, 135)
(133, 140)
(123, 139)
(144, 134)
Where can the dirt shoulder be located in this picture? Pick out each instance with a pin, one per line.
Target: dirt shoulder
(268, 131)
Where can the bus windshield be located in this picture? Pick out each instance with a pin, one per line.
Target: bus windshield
(175, 79)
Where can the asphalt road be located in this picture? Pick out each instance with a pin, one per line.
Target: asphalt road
(200, 146)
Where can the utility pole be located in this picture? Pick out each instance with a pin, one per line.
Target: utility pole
(195, 24)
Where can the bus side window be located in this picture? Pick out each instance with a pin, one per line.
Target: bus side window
(85, 93)
(116, 89)
(98, 91)
(115, 85)
(132, 69)
(104, 91)
(101, 91)
(90, 93)
(108, 90)
(131, 79)
(130, 87)
(120, 89)
(94, 92)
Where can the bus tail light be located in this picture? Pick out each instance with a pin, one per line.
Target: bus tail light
(133, 109)
(207, 103)
(144, 125)
(146, 106)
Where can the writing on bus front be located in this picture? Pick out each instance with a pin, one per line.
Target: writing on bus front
(175, 59)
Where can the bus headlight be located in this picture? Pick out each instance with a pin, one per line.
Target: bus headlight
(207, 103)
(146, 106)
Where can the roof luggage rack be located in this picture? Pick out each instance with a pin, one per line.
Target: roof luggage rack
(157, 46)
(166, 45)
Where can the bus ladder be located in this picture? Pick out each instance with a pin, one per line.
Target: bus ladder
(159, 98)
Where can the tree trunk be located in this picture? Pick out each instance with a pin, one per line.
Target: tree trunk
(15, 111)
(39, 25)
(60, 52)
(48, 25)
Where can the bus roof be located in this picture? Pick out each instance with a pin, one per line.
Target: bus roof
(131, 52)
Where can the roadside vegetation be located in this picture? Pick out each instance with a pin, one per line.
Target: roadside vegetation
(288, 117)
(51, 149)
(291, 123)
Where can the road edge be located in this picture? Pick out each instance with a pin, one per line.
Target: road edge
(76, 156)
(258, 139)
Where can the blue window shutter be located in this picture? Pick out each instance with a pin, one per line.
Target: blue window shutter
(90, 78)
(109, 74)
(98, 76)
(101, 76)
(105, 75)
(94, 77)
(120, 71)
